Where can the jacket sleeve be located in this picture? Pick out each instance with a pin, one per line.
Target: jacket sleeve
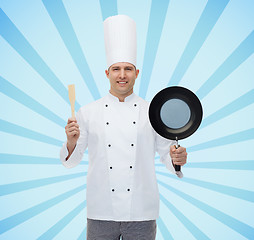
(81, 146)
(163, 149)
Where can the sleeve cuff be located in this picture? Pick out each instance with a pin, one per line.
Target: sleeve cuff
(167, 161)
(74, 159)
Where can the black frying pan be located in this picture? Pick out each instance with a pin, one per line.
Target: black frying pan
(175, 113)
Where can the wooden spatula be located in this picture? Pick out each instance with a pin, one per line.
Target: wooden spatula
(71, 89)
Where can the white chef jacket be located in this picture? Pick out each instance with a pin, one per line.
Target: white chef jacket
(121, 179)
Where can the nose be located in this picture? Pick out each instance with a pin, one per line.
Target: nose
(122, 74)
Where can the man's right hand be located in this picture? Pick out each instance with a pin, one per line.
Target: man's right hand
(72, 132)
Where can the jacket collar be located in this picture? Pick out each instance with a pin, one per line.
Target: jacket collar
(130, 98)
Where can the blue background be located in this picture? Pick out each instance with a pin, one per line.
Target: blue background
(206, 46)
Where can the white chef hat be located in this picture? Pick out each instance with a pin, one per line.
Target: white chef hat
(120, 40)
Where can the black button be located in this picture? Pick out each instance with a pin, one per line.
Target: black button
(130, 166)
(110, 167)
(132, 144)
(107, 123)
(113, 190)
(134, 122)
(135, 105)
(106, 105)
(128, 189)
(109, 145)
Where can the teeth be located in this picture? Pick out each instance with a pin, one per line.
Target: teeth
(122, 82)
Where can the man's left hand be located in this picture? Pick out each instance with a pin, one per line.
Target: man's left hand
(178, 156)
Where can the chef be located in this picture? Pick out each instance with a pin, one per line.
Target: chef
(122, 192)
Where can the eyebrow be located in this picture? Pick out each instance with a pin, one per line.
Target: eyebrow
(126, 67)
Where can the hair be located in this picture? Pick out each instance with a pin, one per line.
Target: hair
(130, 63)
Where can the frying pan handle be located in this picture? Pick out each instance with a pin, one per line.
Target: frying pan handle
(177, 167)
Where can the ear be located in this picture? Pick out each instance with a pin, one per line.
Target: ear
(137, 72)
(107, 73)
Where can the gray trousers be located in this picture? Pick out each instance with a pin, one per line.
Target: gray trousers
(111, 230)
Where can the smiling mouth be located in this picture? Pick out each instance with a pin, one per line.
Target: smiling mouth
(122, 82)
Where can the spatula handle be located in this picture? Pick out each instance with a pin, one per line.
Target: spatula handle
(72, 111)
(71, 89)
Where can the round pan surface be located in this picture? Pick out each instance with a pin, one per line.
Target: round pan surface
(189, 100)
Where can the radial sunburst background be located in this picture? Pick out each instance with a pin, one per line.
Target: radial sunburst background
(206, 46)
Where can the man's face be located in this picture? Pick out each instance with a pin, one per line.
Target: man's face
(122, 78)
